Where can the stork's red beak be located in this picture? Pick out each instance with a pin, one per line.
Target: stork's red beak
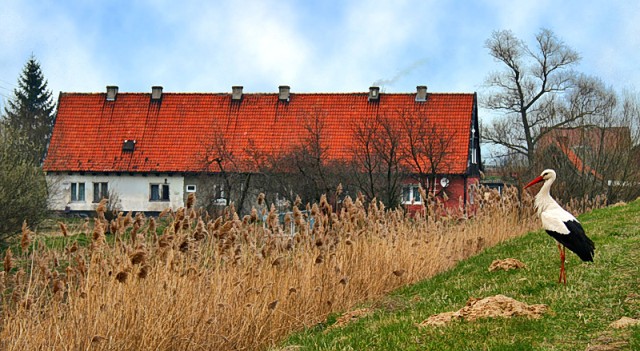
(535, 181)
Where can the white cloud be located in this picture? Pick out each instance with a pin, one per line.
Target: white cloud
(269, 41)
(228, 44)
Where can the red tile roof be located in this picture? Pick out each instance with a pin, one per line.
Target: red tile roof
(172, 135)
(609, 138)
(593, 138)
(576, 161)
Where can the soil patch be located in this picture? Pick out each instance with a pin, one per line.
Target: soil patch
(489, 307)
(350, 317)
(607, 342)
(506, 264)
(624, 322)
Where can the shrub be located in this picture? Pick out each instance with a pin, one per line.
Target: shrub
(23, 189)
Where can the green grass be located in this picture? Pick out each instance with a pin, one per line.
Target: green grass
(596, 295)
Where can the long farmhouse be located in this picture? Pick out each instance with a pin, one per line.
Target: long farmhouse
(151, 148)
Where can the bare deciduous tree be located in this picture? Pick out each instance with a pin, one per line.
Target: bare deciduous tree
(365, 161)
(536, 89)
(426, 147)
(303, 170)
(600, 155)
(310, 156)
(217, 157)
(377, 167)
(540, 95)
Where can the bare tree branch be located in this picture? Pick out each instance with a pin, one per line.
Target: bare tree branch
(526, 89)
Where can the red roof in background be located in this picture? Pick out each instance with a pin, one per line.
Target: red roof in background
(576, 161)
(594, 138)
(609, 138)
(172, 135)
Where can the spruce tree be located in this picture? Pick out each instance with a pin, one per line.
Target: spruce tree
(31, 111)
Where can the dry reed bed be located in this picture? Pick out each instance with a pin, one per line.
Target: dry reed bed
(229, 283)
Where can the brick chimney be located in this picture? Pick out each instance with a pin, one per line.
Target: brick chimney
(421, 93)
(284, 93)
(156, 93)
(236, 93)
(374, 94)
(112, 92)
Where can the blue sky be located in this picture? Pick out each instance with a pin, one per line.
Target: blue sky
(313, 46)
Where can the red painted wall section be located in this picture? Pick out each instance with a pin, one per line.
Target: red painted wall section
(453, 203)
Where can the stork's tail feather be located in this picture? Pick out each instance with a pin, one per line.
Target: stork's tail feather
(580, 242)
(585, 249)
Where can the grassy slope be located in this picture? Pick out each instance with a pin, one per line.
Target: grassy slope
(596, 295)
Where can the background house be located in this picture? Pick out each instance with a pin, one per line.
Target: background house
(592, 160)
(148, 151)
(585, 148)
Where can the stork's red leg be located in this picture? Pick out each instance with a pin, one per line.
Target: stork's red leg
(563, 272)
(564, 249)
(560, 250)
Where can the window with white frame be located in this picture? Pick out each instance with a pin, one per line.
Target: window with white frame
(191, 188)
(411, 194)
(100, 191)
(159, 192)
(77, 192)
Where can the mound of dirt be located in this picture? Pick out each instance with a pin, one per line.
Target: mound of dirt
(624, 322)
(489, 307)
(506, 264)
(350, 317)
(617, 204)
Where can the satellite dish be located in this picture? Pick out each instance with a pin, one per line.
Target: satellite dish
(444, 182)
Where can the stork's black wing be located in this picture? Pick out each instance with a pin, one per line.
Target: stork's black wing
(576, 241)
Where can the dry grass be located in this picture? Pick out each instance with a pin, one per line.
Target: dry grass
(229, 283)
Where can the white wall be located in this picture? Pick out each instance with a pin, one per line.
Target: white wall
(132, 191)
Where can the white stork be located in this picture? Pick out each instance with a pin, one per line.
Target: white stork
(560, 224)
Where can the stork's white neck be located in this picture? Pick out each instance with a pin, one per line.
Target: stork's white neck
(543, 200)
